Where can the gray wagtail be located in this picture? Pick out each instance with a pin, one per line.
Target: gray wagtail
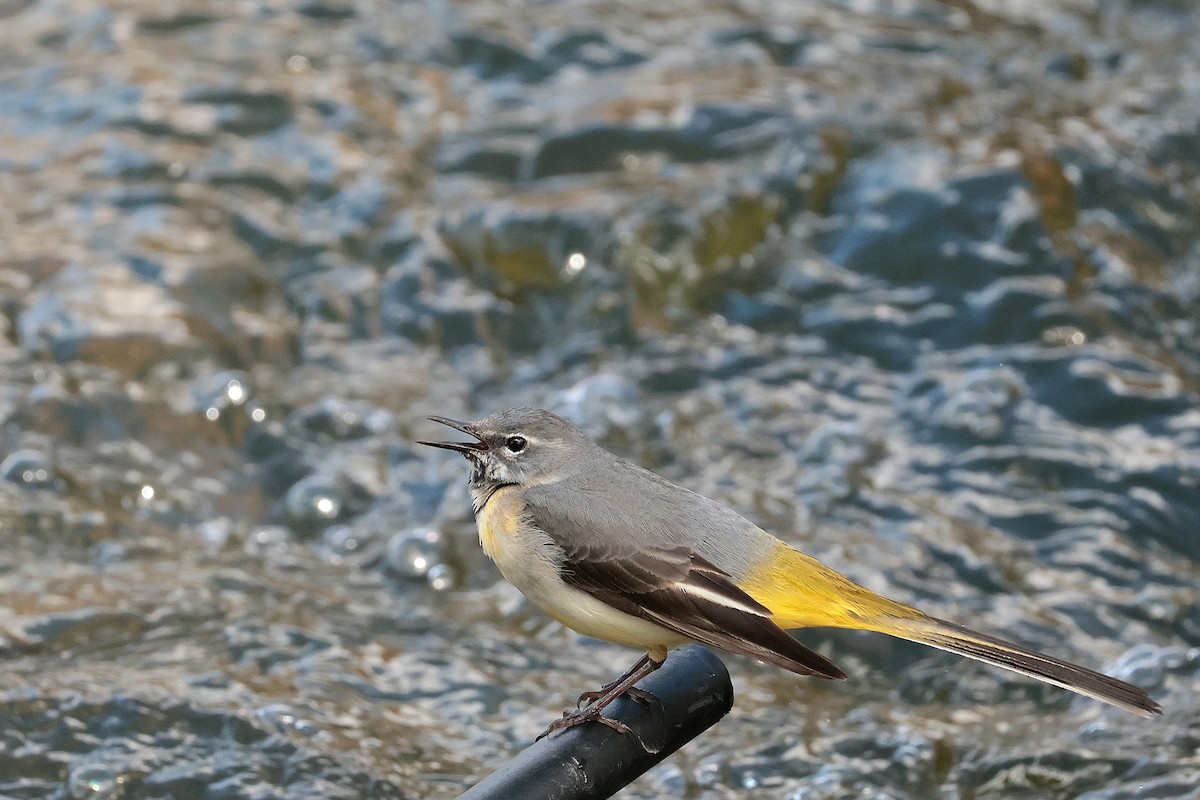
(621, 554)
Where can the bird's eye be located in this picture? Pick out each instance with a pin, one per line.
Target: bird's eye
(515, 444)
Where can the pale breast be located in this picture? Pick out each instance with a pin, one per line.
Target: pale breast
(531, 561)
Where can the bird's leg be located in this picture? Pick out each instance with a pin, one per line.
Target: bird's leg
(591, 712)
(637, 694)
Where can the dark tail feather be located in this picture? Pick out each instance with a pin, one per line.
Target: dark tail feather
(972, 644)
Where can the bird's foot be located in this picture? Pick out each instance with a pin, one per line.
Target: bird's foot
(596, 702)
(640, 695)
(579, 716)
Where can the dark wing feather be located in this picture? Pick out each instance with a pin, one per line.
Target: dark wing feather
(675, 588)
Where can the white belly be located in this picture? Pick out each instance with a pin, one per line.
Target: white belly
(581, 612)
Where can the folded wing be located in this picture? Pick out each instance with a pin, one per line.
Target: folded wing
(676, 588)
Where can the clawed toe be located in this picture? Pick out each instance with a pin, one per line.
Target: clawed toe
(640, 695)
(570, 719)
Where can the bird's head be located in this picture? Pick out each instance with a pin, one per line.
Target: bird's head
(520, 446)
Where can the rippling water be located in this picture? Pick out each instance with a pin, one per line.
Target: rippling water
(914, 285)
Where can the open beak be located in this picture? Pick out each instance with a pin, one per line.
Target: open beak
(466, 448)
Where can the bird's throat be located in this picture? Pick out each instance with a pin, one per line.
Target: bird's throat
(498, 516)
(482, 493)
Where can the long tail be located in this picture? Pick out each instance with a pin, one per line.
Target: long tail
(802, 592)
(990, 650)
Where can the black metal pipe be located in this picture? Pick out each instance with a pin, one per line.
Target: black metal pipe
(592, 761)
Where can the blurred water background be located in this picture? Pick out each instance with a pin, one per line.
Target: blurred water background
(914, 284)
